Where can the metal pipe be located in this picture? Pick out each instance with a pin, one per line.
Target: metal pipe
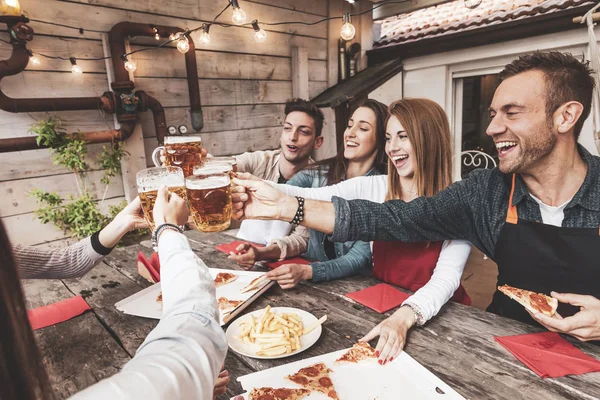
(8, 145)
(116, 38)
(148, 102)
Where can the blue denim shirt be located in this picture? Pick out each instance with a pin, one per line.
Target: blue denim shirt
(352, 257)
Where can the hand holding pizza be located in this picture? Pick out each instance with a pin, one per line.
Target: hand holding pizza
(585, 325)
(392, 333)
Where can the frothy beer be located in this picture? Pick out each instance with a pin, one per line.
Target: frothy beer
(148, 182)
(184, 152)
(209, 196)
(222, 160)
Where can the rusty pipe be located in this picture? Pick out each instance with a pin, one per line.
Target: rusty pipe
(8, 145)
(116, 38)
(148, 102)
(16, 64)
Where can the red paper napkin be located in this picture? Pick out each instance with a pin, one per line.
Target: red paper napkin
(549, 355)
(293, 260)
(227, 248)
(381, 297)
(149, 269)
(52, 314)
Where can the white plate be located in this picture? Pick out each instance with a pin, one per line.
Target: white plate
(250, 349)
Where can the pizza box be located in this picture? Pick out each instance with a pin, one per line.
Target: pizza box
(402, 378)
(144, 304)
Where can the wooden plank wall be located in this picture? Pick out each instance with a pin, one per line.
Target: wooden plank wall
(243, 86)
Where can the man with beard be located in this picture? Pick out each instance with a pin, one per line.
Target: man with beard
(301, 135)
(537, 215)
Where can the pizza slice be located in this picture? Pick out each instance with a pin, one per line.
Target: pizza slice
(255, 283)
(223, 278)
(533, 302)
(226, 306)
(315, 377)
(267, 393)
(159, 297)
(360, 351)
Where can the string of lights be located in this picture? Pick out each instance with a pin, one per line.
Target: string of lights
(181, 39)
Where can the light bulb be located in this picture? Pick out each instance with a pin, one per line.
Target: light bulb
(172, 36)
(472, 4)
(34, 60)
(204, 37)
(130, 66)
(76, 69)
(348, 31)
(239, 16)
(350, 1)
(183, 45)
(156, 36)
(259, 34)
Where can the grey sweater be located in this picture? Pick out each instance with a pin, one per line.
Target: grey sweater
(68, 262)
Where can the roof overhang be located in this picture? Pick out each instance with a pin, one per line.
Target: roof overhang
(518, 29)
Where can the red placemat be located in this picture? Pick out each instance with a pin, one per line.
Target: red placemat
(228, 248)
(381, 297)
(61, 311)
(549, 355)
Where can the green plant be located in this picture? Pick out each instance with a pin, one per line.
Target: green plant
(80, 215)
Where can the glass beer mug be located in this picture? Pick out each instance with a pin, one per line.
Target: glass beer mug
(180, 151)
(209, 195)
(150, 179)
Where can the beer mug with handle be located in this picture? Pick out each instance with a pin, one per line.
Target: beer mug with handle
(209, 195)
(150, 179)
(180, 151)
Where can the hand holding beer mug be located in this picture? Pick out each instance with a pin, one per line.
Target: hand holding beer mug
(209, 194)
(180, 151)
(148, 182)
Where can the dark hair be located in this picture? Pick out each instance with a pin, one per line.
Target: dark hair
(567, 79)
(22, 374)
(308, 108)
(336, 166)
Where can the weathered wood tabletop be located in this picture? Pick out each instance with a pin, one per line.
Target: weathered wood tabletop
(458, 345)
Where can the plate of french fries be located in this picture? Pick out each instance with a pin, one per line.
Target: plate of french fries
(274, 332)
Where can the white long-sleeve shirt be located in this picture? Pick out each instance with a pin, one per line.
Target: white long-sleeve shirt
(451, 262)
(182, 356)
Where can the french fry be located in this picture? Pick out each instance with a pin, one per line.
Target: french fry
(314, 326)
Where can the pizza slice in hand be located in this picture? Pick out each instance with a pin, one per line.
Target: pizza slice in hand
(267, 393)
(223, 278)
(360, 351)
(315, 377)
(532, 301)
(226, 306)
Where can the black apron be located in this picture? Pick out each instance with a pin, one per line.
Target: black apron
(544, 258)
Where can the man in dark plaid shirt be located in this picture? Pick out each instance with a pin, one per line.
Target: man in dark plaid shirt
(537, 215)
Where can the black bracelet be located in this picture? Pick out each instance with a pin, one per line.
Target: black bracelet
(299, 217)
(158, 230)
(99, 247)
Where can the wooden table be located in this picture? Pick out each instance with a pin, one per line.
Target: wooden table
(458, 345)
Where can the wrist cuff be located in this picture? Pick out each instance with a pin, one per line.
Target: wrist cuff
(99, 247)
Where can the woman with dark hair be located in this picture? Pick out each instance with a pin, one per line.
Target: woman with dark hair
(419, 150)
(180, 358)
(363, 154)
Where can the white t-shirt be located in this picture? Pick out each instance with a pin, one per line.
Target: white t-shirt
(552, 215)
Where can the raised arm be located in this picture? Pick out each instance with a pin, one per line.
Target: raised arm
(77, 259)
(182, 356)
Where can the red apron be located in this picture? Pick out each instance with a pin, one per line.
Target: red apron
(410, 265)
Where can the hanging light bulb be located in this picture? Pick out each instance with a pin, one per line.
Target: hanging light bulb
(472, 4)
(156, 33)
(239, 16)
(76, 69)
(34, 60)
(172, 36)
(350, 1)
(348, 31)
(130, 65)
(183, 44)
(10, 7)
(204, 35)
(259, 34)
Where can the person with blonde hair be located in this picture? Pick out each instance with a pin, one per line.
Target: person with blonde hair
(418, 147)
